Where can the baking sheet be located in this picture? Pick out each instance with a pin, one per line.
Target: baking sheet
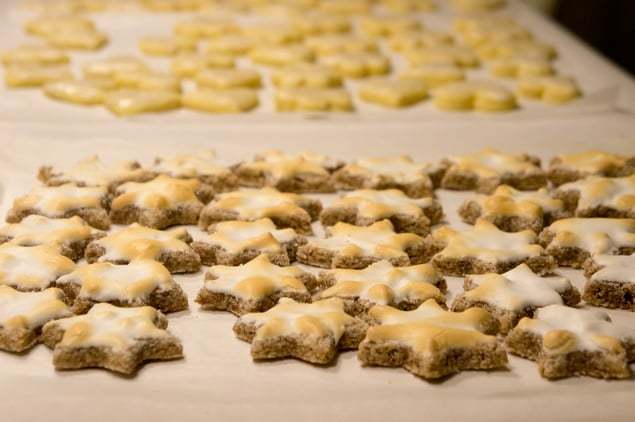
(606, 88)
(217, 380)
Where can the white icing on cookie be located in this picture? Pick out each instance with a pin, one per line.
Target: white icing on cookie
(93, 172)
(617, 193)
(615, 268)
(30, 310)
(160, 193)
(57, 200)
(236, 236)
(39, 230)
(594, 235)
(492, 163)
(32, 267)
(401, 169)
(189, 166)
(253, 204)
(376, 204)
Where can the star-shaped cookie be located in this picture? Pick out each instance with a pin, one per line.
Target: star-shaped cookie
(118, 339)
(22, 315)
(32, 268)
(238, 242)
(253, 287)
(367, 206)
(171, 248)
(141, 282)
(162, 202)
(515, 294)
(382, 283)
(348, 246)
(572, 240)
(431, 342)
(571, 167)
(600, 196)
(89, 203)
(312, 332)
(486, 249)
(70, 235)
(286, 210)
(569, 342)
(610, 281)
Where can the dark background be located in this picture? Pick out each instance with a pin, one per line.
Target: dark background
(607, 25)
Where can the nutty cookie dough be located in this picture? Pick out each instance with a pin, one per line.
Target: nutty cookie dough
(117, 339)
(600, 196)
(515, 294)
(170, 248)
(568, 342)
(253, 287)
(238, 242)
(312, 332)
(382, 283)
(431, 342)
(348, 246)
(367, 206)
(610, 281)
(571, 167)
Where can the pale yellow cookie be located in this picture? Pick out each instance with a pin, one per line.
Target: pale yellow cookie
(415, 40)
(281, 55)
(479, 30)
(549, 89)
(107, 69)
(402, 6)
(385, 26)
(393, 93)
(147, 81)
(77, 39)
(358, 65)
(470, 6)
(526, 48)
(328, 45)
(442, 54)
(230, 45)
(313, 99)
(434, 75)
(131, 102)
(84, 92)
(165, 46)
(305, 75)
(319, 24)
(201, 27)
(474, 95)
(188, 65)
(237, 100)
(29, 76)
(272, 34)
(228, 78)
(348, 7)
(32, 268)
(518, 67)
(30, 54)
(49, 24)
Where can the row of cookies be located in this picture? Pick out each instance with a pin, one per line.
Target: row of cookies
(435, 58)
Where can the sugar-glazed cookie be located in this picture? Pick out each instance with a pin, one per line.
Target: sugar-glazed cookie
(201, 165)
(70, 235)
(610, 281)
(141, 282)
(398, 172)
(485, 170)
(572, 240)
(304, 172)
(35, 75)
(162, 202)
(348, 246)
(255, 286)
(237, 100)
(416, 40)
(516, 294)
(320, 24)
(93, 172)
(568, 342)
(516, 47)
(347, 8)
(471, 6)
(129, 102)
(571, 167)
(188, 65)
(77, 39)
(83, 92)
(442, 54)
(147, 81)
(272, 34)
(382, 283)
(286, 210)
(549, 89)
(32, 268)
(202, 27)
(229, 45)
(306, 75)
(313, 99)
(434, 75)
(238, 242)
(600, 196)
(228, 78)
(486, 249)
(171, 248)
(329, 45)
(90, 203)
(166, 46)
(312, 332)
(401, 6)
(431, 342)
(358, 65)
(394, 93)
(108, 68)
(367, 206)
(474, 95)
(281, 55)
(512, 210)
(520, 67)
(33, 54)
(385, 26)
(22, 315)
(118, 339)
